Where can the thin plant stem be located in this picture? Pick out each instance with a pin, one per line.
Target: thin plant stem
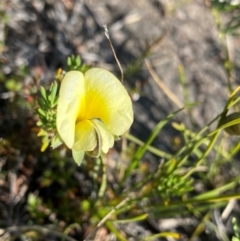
(113, 51)
(103, 186)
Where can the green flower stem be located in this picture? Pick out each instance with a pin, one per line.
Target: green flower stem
(103, 186)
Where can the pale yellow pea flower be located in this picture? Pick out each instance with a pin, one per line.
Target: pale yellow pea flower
(93, 109)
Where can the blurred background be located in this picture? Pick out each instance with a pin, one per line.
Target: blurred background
(165, 47)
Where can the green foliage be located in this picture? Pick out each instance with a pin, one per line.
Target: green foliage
(122, 187)
(163, 192)
(34, 204)
(227, 18)
(236, 231)
(47, 114)
(13, 85)
(48, 104)
(3, 20)
(75, 63)
(224, 6)
(125, 188)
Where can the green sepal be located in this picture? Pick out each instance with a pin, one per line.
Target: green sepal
(78, 156)
(56, 141)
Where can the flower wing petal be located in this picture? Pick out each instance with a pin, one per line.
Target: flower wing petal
(85, 136)
(71, 99)
(108, 100)
(106, 138)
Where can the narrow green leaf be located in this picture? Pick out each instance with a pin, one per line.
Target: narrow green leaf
(53, 93)
(163, 235)
(77, 60)
(56, 141)
(44, 93)
(151, 149)
(134, 219)
(41, 112)
(42, 103)
(111, 227)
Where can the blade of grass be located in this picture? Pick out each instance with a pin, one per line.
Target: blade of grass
(200, 228)
(182, 78)
(205, 153)
(163, 235)
(151, 149)
(184, 211)
(69, 229)
(142, 150)
(214, 134)
(217, 191)
(134, 219)
(190, 134)
(111, 227)
(189, 147)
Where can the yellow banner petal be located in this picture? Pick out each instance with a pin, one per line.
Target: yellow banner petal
(108, 100)
(85, 136)
(71, 101)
